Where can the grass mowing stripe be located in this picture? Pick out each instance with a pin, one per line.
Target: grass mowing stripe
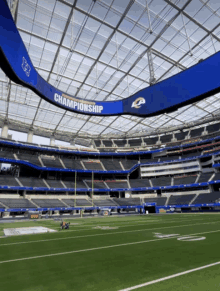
(123, 226)
(148, 219)
(102, 234)
(107, 222)
(53, 224)
(169, 277)
(104, 247)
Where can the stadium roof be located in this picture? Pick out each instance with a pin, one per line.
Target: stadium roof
(108, 50)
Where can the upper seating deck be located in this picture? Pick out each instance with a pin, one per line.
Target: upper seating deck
(166, 138)
(107, 143)
(31, 149)
(135, 142)
(196, 132)
(150, 140)
(120, 142)
(213, 127)
(181, 135)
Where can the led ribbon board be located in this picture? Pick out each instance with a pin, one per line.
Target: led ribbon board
(198, 82)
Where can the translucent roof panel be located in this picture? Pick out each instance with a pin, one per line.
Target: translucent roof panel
(101, 50)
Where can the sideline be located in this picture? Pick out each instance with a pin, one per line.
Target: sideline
(170, 277)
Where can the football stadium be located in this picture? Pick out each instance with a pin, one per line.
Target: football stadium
(109, 145)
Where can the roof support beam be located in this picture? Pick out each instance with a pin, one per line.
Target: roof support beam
(81, 54)
(193, 19)
(201, 40)
(154, 51)
(151, 67)
(57, 53)
(149, 48)
(100, 54)
(14, 13)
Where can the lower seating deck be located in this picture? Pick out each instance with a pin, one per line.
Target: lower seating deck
(104, 202)
(49, 203)
(127, 201)
(77, 202)
(16, 203)
(181, 199)
(160, 201)
(207, 198)
(187, 199)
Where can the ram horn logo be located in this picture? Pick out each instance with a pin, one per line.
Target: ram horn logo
(26, 68)
(138, 102)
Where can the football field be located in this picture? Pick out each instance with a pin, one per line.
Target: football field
(151, 252)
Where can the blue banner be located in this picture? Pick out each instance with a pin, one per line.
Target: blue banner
(198, 82)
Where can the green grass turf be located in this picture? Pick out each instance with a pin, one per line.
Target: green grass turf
(112, 259)
(207, 279)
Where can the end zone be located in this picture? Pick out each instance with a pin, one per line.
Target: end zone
(27, 230)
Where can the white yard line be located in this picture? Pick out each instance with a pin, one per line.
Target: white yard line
(99, 248)
(170, 277)
(122, 226)
(102, 234)
(109, 233)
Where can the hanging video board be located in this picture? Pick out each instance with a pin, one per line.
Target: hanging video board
(198, 82)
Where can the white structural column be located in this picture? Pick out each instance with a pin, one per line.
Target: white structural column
(30, 136)
(5, 130)
(151, 67)
(72, 142)
(52, 140)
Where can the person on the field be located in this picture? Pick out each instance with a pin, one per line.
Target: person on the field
(64, 225)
